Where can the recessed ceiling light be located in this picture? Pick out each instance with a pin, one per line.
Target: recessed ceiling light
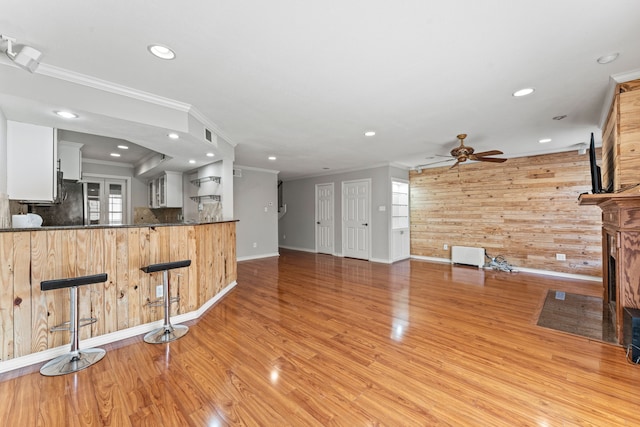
(524, 92)
(210, 155)
(608, 58)
(115, 154)
(123, 147)
(369, 133)
(174, 135)
(161, 52)
(192, 161)
(564, 116)
(544, 140)
(67, 114)
(272, 157)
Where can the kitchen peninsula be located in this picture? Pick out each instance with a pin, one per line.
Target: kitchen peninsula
(121, 304)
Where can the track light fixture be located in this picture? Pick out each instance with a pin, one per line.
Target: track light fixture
(25, 57)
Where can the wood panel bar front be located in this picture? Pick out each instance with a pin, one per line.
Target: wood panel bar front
(31, 256)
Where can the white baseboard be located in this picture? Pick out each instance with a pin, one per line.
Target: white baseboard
(293, 248)
(432, 259)
(41, 356)
(250, 257)
(380, 260)
(524, 270)
(560, 274)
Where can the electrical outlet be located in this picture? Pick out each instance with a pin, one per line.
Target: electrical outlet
(284, 237)
(159, 291)
(561, 257)
(445, 246)
(255, 244)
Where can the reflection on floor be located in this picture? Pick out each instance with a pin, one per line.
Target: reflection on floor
(577, 314)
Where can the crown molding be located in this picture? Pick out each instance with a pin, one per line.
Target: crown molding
(106, 86)
(252, 168)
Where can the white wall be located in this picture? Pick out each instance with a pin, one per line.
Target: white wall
(256, 208)
(298, 224)
(3, 153)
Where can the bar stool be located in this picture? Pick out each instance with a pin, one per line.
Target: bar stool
(76, 359)
(167, 332)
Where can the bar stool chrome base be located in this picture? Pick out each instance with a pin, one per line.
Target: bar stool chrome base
(167, 333)
(72, 362)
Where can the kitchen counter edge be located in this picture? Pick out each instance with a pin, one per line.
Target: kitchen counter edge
(83, 227)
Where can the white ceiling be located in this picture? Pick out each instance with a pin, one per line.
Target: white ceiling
(303, 81)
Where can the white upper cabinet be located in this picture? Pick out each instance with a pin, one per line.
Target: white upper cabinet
(31, 162)
(70, 158)
(165, 191)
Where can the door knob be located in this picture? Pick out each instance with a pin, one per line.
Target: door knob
(366, 224)
(318, 222)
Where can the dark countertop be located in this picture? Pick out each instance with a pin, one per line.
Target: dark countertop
(81, 227)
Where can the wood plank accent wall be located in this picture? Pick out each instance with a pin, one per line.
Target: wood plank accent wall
(29, 257)
(621, 138)
(525, 209)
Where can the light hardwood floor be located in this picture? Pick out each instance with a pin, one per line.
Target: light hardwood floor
(309, 339)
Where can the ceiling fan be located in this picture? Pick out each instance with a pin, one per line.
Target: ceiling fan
(462, 153)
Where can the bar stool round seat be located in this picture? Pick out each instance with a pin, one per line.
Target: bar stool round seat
(167, 332)
(76, 359)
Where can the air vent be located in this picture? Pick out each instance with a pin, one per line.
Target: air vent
(237, 173)
(207, 135)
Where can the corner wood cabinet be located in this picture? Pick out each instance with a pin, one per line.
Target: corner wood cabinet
(621, 256)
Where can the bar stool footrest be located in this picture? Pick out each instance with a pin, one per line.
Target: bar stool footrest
(167, 333)
(72, 362)
(160, 302)
(65, 326)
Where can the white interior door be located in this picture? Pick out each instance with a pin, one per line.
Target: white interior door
(324, 218)
(356, 211)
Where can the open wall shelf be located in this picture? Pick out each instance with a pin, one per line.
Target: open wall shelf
(210, 197)
(200, 180)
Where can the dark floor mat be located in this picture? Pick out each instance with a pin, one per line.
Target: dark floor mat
(577, 314)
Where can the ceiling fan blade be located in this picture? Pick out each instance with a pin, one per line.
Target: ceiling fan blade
(433, 163)
(488, 153)
(489, 159)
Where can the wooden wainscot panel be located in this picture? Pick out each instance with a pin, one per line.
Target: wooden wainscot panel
(122, 278)
(179, 277)
(110, 287)
(6, 295)
(39, 272)
(29, 257)
(83, 254)
(147, 313)
(231, 266)
(97, 266)
(22, 293)
(134, 262)
(192, 251)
